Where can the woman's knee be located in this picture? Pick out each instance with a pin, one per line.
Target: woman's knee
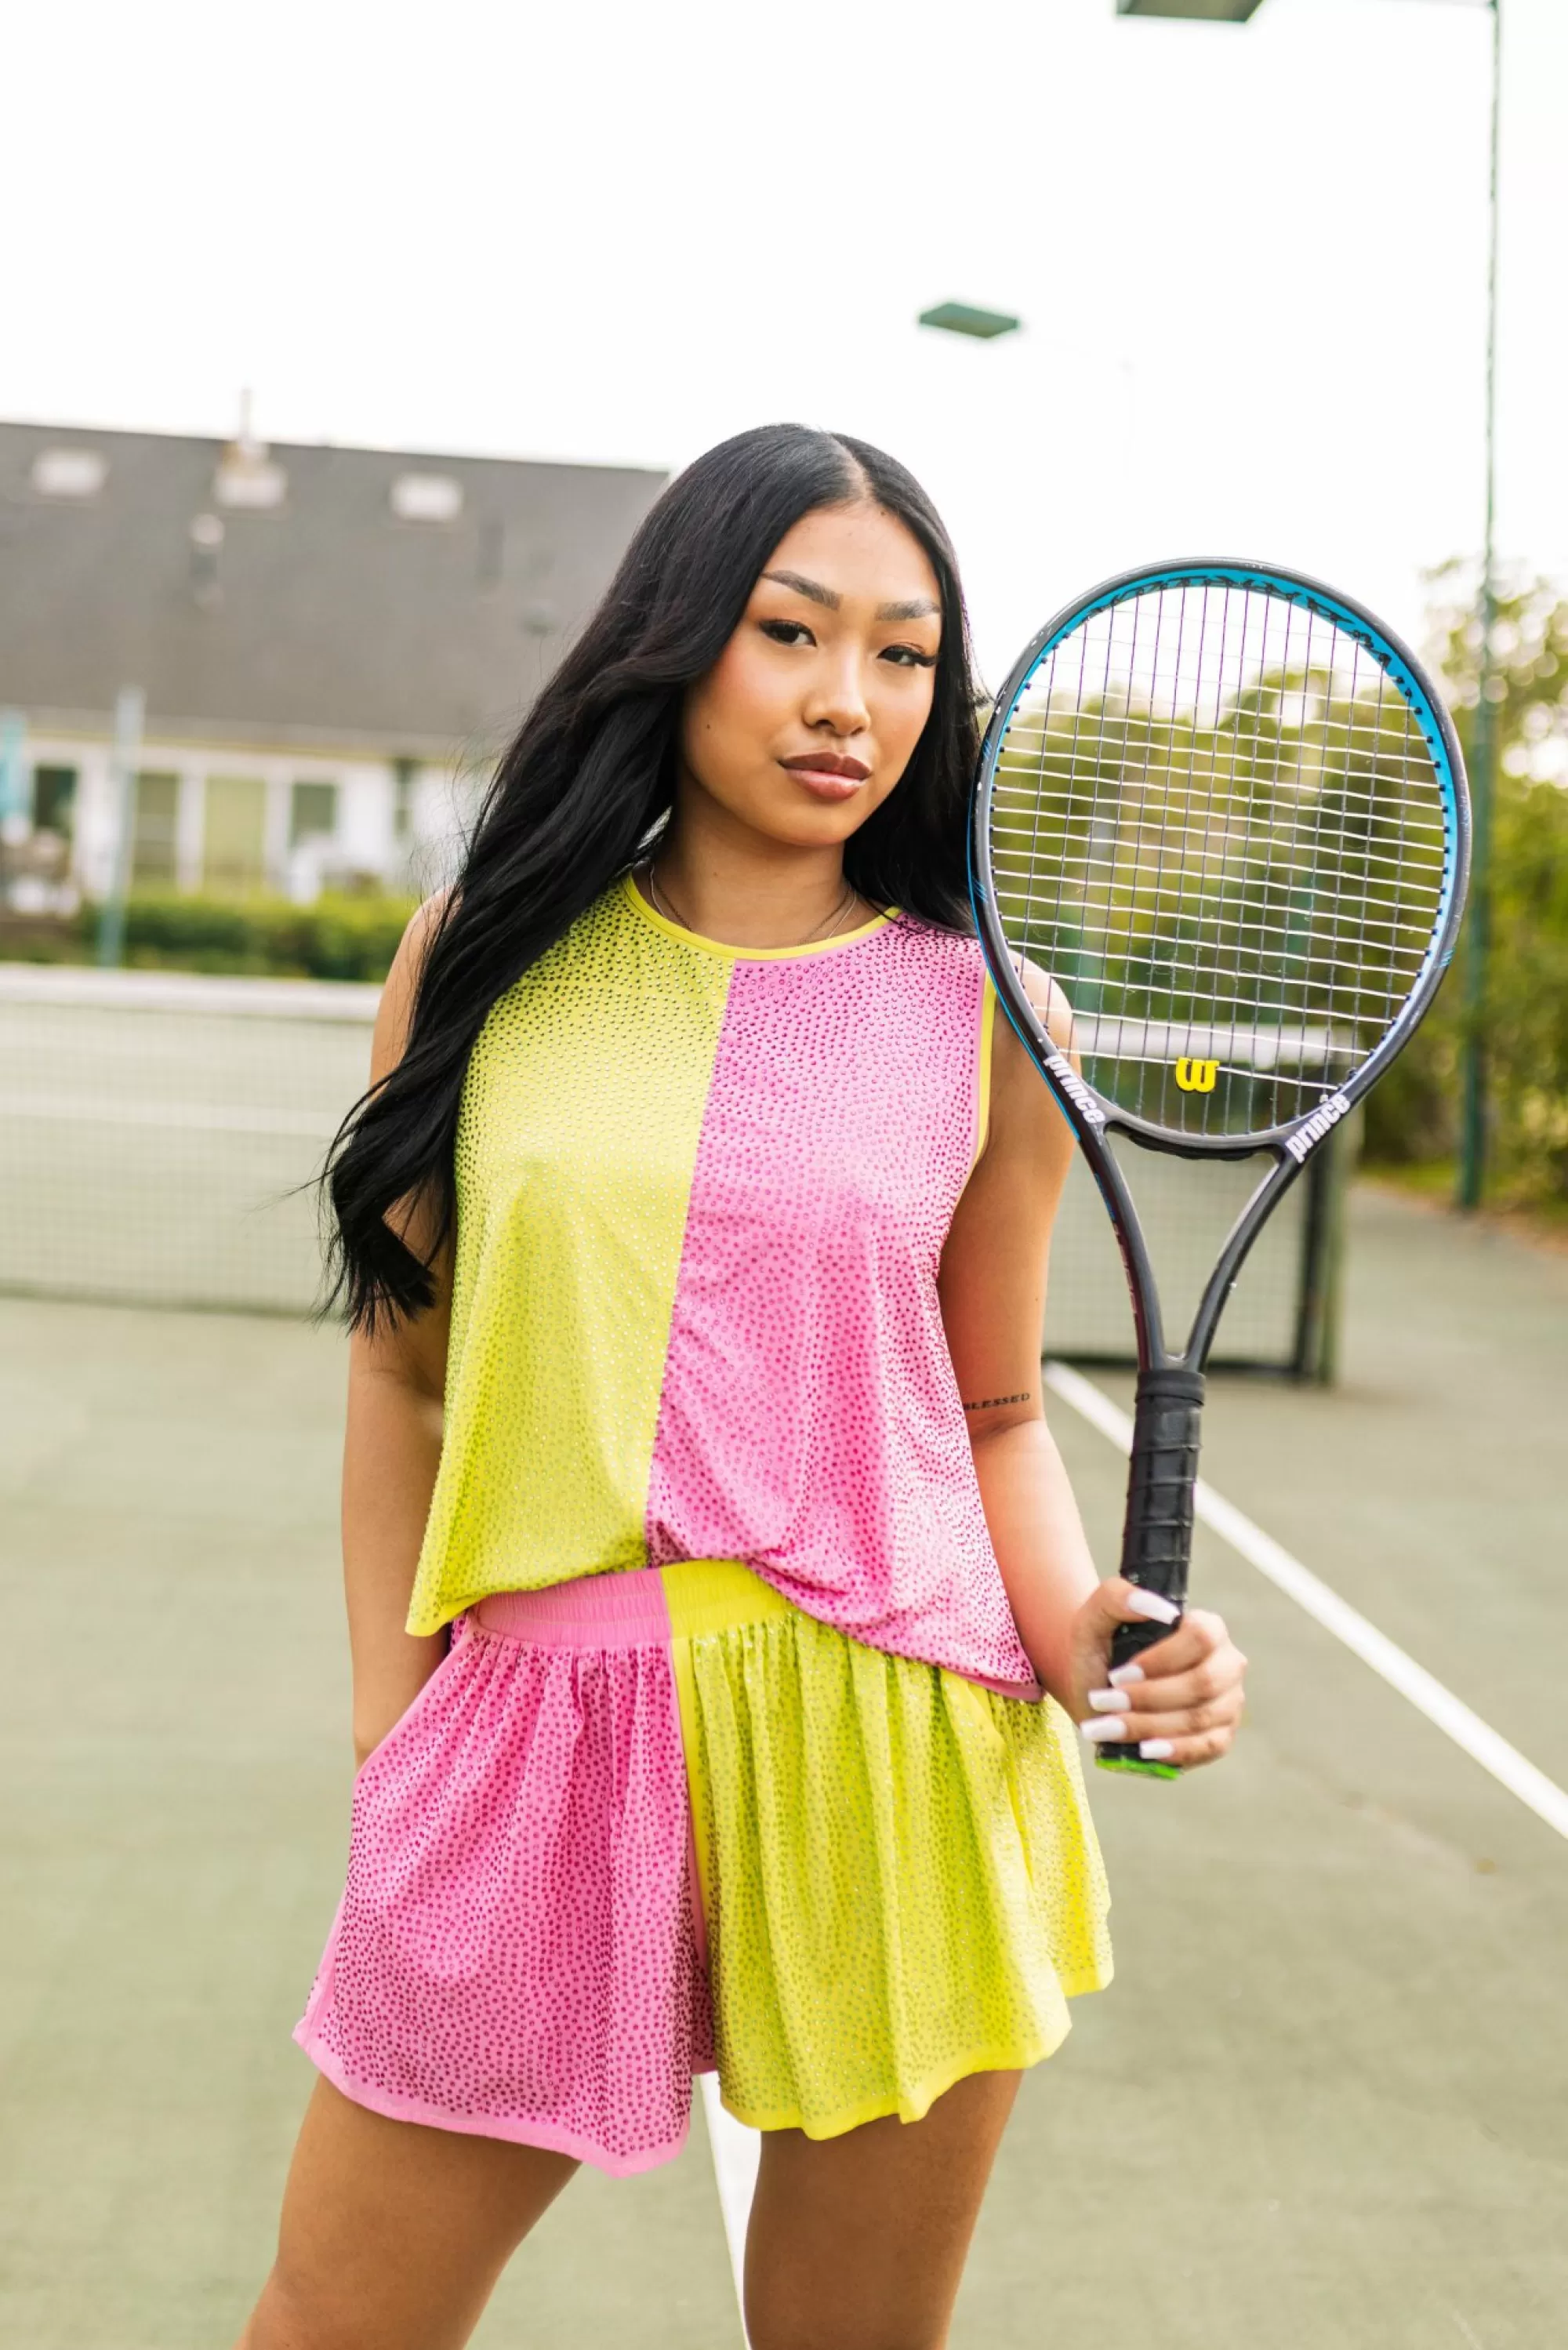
(290, 2315)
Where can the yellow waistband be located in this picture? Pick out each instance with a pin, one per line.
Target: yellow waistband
(635, 1607)
(715, 1595)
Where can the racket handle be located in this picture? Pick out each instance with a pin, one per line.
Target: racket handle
(1156, 1537)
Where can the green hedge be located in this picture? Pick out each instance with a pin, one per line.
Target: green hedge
(335, 938)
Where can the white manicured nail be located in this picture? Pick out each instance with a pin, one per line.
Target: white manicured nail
(1103, 1725)
(1123, 1676)
(1154, 1605)
(1105, 1701)
(1155, 1749)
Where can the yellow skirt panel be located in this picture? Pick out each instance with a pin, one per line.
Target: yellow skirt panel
(900, 1878)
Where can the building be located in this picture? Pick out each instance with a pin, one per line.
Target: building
(330, 644)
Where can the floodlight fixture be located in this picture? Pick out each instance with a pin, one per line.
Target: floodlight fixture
(963, 318)
(1214, 11)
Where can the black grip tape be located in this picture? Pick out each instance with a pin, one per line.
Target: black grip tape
(1156, 1535)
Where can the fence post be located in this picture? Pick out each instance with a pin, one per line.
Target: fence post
(1327, 1179)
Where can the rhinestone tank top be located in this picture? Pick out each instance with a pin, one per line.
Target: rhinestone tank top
(702, 1194)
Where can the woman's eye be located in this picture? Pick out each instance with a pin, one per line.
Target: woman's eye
(787, 633)
(910, 657)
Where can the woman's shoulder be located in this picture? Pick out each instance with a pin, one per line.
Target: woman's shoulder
(401, 983)
(425, 921)
(944, 971)
(934, 947)
(1022, 1105)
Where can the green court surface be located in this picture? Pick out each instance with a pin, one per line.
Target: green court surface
(1322, 2107)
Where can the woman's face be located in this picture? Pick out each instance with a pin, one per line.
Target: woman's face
(809, 716)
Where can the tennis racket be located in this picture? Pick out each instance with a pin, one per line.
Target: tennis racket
(1223, 810)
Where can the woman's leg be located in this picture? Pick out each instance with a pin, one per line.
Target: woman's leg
(393, 2235)
(859, 2243)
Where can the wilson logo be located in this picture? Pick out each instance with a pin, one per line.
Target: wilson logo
(1197, 1076)
(1076, 1091)
(1322, 1121)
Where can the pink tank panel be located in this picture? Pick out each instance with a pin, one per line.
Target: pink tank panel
(810, 1422)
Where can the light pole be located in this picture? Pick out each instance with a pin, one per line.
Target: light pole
(1471, 1181)
(128, 712)
(1483, 742)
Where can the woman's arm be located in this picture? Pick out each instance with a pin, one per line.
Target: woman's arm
(393, 1443)
(993, 1290)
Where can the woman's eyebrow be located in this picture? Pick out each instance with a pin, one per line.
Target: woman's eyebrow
(812, 589)
(917, 608)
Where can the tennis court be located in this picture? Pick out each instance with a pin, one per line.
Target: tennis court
(1320, 2107)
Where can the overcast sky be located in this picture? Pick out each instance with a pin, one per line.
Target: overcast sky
(1250, 260)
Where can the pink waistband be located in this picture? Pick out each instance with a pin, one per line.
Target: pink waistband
(631, 1610)
(596, 1611)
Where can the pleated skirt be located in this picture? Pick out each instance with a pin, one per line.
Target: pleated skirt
(644, 1825)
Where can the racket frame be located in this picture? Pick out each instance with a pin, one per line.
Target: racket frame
(1171, 1383)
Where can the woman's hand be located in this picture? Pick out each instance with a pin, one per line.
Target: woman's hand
(373, 1724)
(383, 1696)
(1180, 1702)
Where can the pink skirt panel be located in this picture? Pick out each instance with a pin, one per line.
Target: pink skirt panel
(538, 1776)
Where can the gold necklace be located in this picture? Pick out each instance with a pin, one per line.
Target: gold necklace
(662, 906)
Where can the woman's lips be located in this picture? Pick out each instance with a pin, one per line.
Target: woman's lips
(828, 779)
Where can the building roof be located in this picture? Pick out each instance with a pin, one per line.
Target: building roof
(279, 596)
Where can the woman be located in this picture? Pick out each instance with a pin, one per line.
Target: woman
(716, 1663)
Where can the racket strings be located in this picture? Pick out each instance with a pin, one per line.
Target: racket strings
(1217, 824)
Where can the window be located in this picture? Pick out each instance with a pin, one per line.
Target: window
(312, 813)
(234, 842)
(152, 842)
(55, 800)
(252, 484)
(70, 473)
(427, 497)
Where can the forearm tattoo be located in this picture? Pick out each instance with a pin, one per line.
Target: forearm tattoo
(989, 1403)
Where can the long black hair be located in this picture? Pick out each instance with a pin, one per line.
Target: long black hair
(585, 790)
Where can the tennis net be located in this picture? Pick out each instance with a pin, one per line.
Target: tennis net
(155, 1128)
(1281, 1314)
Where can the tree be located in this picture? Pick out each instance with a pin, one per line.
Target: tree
(1412, 1117)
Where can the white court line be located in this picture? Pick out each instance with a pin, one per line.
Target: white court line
(1428, 1695)
(737, 2150)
